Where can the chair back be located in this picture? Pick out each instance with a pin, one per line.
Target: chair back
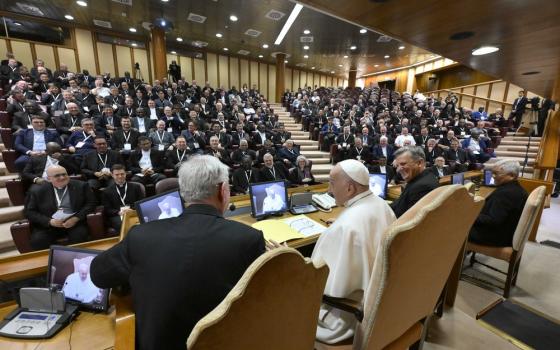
(415, 259)
(470, 188)
(528, 218)
(274, 306)
(167, 185)
(142, 188)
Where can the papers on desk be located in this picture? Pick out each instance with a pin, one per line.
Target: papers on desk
(295, 227)
(60, 215)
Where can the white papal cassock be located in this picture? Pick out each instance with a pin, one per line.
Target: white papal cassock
(349, 248)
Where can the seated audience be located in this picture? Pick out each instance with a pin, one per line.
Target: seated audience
(403, 138)
(33, 142)
(288, 154)
(439, 169)
(177, 155)
(125, 138)
(243, 150)
(382, 168)
(161, 139)
(216, 151)
(359, 152)
(301, 174)
(119, 197)
(477, 147)
(96, 166)
(271, 171)
(244, 176)
(458, 156)
(383, 149)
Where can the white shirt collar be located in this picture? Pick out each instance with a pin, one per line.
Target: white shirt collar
(356, 198)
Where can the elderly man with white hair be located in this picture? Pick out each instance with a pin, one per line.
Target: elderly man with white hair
(349, 246)
(191, 262)
(498, 219)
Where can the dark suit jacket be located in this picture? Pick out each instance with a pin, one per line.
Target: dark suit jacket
(40, 202)
(389, 170)
(239, 180)
(378, 153)
(446, 171)
(420, 186)
(191, 271)
(24, 140)
(156, 157)
(91, 162)
(284, 153)
(112, 202)
(365, 154)
(238, 154)
(265, 174)
(118, 140)
(498, 219)
(22, 119)
(36, 166)
(518, 106)
(172, 159)
(460, 155)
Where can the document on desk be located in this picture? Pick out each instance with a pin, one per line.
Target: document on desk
(60, 215)
(295, 227)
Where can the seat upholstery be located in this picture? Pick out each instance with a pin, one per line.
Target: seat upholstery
(167, 185)
(274, 306)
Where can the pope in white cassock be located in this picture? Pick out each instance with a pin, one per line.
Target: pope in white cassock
(272, 202)
(349, 246)
(78, 286)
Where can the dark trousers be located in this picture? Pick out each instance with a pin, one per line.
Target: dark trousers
(42, 238)
(96, 184)
(516, 116)
(21, 161)
(146, 180)
(114, 222)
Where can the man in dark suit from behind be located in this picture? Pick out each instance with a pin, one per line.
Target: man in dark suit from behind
(193, 260)
(411, 165)
(119, 197)
(497, 221)
(69, 201)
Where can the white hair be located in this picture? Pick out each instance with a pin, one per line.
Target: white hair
(200, 176)
(508, 166)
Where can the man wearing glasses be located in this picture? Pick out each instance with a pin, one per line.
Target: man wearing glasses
(33, 142)
(58, 208)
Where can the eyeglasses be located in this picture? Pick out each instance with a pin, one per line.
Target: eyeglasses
(56, 176)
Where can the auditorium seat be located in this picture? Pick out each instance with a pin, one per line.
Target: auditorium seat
(418, 252)
(16, 191)
(5, 120)
(9, 158)
(3, 104)
(7, 138)
(512, 255)
(274, 306)
(167, 185)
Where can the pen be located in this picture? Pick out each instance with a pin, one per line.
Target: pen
(326, 222)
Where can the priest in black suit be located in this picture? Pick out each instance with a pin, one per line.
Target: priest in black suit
(58, 208)
(271, 171)
(198, 248)
(35, 169)
(120, 196)
(178, 155)
(96, 166)
(244, 176)
(439, 169)
(146, 164)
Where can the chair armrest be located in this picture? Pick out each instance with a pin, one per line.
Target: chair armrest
(96, 225)
(347, 305)
(169, 172)
(21, 234)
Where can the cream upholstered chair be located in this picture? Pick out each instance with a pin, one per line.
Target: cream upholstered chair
(471, 188)
(274, 306)
(417, 254)
(512, 255)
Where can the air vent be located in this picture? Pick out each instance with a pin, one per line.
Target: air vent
(275, 15)
(306, 39)
(104, 24)
(253, 32)
(324, 70)
(243, 52)
(30, 10)
(196, 18)
(124, 2)
(198, 43)
(384, 39)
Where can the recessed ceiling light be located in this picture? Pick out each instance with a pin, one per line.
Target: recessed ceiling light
(225, 49)
(363, 31)
(132, 29)
(134, 44)
(345, 56)
(173, 52)
(164, 0)
(332, 71)
(233, 18)
(305, 56)
(81, 3)
(179, 39)
(307, 31)
(386, 56)
(312, 67)
(219, 35)
(484, 50)
(306, 47)
(162, 22)
(285, 61)
(340, 65)
(353, 47)
(265, 46)
(376, 65)
(261, 56)
(401, 47)
(68, 17)
(17, 24)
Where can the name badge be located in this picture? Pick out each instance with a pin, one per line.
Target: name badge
(80, 144)
(127, 147)
(161, 147)
(169, 129)
(440, 136)
(344, 144)
(359, 157)
(463, 133)
(66, 112)
(153, 117)
(196, 145)
(142, 128)
(115, 106)
(30, 126)
(105, 170)
(57, 113)
(86, 108)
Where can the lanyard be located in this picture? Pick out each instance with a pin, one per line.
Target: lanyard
(85, 137)
(129, 111)
(59, 199)
(104, 162)
(248, 176)
(74, 120)
(126, 137)
(360, 151)
(122, 198)
(160, 137)
(273, 171)
(182, 156)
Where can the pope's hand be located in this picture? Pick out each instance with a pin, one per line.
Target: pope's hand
(271, 244)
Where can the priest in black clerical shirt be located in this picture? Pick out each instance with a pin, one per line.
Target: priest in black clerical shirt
(244, 176)
(178, 155)
(119, 197)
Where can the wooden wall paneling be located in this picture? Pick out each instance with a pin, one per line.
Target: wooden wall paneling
(316, 80)
(309, 80)
(212, 69)
(223, 72)
(76, 56)
(22, 52)
(115, 61)
(474, 99)
(85, 50)
(272, 83)
(3, 48)
(263, 80)
(512, 93)
(106, 62)
(151, 66)
(68, 57)
(324, 80)
(46, 53)
(288, 78)
(186, 68)
(124, 59)
(171, 57)
(438, 64)
(482, 91)
(488, 94)
(199, 73)
(492, 106)
(141, 56)
(254, 75)
(33, 53)
(234, 73)
(244, 73)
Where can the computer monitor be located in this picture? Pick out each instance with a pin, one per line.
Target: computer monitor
(68, 271)
(488, 178)
(458, 179)
(378, 184)
(268, 198)
(162, 206)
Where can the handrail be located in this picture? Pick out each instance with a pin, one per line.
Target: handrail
(476, 97)
(547, 155)
(467, 86)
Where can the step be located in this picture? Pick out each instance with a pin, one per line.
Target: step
(500, 153)
(6, 240)
(13, 213)
(5, 178)
(322, 168)
(521, 138)
(519, 159)
(4, 198)
(517, 148)
(519, 143)
(316, 154)
(323, 178)
(295, 127)
(308, 147)
(306, 142)
(513, 134)
(320, 160)
(3, 169)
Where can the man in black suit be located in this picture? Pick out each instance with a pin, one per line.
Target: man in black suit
(411, 165)
(198, 248)
(35, 169)
(125, 138)
(500, 215)
(96, 166)
(243, 150)
(382, 168)
(146, 164)
(119, 196)
(439, 169)
(458, 156)
(244, 176)
(58, 208)
(22, 120)
(216, 151)
(359, 152)
(178, 155)
(518, 109)
(383, 149)
(271, 171)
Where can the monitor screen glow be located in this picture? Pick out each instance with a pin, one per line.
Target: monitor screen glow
(378, 184)
(458, 179)
(268, 198)
(162, 206)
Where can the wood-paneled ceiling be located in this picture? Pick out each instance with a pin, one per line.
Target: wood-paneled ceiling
(527, 33)
(332, 37)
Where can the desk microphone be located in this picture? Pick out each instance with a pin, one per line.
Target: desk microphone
(232, 207)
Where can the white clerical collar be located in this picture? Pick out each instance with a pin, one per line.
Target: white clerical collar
(357, 197)
(145, 153)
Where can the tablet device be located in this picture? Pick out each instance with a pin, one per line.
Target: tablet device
(488, 179)
(458, 179)
(268, 198)
(68, 271)
(378, 184)
(162, 206)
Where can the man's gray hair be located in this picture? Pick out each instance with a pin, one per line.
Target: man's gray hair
(416, 152)
(200, 176)
(508, 166)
